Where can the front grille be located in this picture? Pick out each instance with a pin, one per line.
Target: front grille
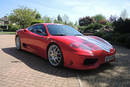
(90, 61)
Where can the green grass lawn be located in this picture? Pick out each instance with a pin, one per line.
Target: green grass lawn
(8, 33)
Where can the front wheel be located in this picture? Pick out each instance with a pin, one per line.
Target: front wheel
(55, 55)
(18, 43)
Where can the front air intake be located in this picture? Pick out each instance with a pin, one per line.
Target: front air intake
(90, 61)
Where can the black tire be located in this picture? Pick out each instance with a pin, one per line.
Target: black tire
(18, 43)
(55, 55)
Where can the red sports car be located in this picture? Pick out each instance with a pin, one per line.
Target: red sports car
(64, 45)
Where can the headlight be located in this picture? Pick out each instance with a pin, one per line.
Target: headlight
(77, 45)
(81, 47)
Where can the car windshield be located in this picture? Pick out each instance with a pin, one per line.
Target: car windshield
(62, 30)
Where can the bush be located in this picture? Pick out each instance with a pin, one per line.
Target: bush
(13, 27)
(1, 29)
(82, 28)
(127, 42)
(115, 36)
(37, 21)
(122, 38)
(85, 21)
(100, 34)
(122, 26)
(92, 27)
(107, 36)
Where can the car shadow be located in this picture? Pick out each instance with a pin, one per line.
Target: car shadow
(39, 64)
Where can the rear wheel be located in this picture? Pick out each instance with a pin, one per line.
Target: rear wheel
(18, 43)
(55, 55)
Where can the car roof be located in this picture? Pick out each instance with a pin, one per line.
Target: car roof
(48, 24)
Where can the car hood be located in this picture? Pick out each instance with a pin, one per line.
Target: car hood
(93, 42)
(96, 43)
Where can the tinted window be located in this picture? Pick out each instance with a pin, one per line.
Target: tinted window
(62, 30)
(30, 28)
(38, 27)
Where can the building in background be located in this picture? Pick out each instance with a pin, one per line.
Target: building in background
(4, 23)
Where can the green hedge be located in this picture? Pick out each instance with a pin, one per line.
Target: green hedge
(127, 41)
(122, 26)
(1, 29)
(13, 27)
(37, 21)
(117, 38)
(124, 40)
(90, 28)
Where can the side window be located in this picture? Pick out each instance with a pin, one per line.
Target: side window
(44, 29)
(30, 28)
(38, 29)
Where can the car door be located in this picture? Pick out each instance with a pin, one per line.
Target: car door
(37, 39)
(26, 38)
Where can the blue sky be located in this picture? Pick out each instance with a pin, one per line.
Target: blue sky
(73, 8)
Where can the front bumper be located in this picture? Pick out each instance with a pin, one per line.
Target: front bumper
(77, 60)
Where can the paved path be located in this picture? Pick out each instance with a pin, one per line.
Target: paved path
(23, 69)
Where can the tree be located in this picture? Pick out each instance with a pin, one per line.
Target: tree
(122, 26)
(85, 21)
(124, 14)
(55, 21)
(22, 16)
(112, 18)
(47, 19)
(59, 18)
(99, 18)
(70, 24)
(38, 16)
(76, 23)
(65, 19)
(103, 22)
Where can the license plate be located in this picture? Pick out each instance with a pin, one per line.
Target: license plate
(109, 58)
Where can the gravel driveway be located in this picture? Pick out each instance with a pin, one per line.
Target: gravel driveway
(23, 69)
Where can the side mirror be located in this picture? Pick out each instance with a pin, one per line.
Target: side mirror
(25, 30)
(44, 34)
(39, 31)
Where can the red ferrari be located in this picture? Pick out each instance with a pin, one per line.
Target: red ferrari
(64, 45)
